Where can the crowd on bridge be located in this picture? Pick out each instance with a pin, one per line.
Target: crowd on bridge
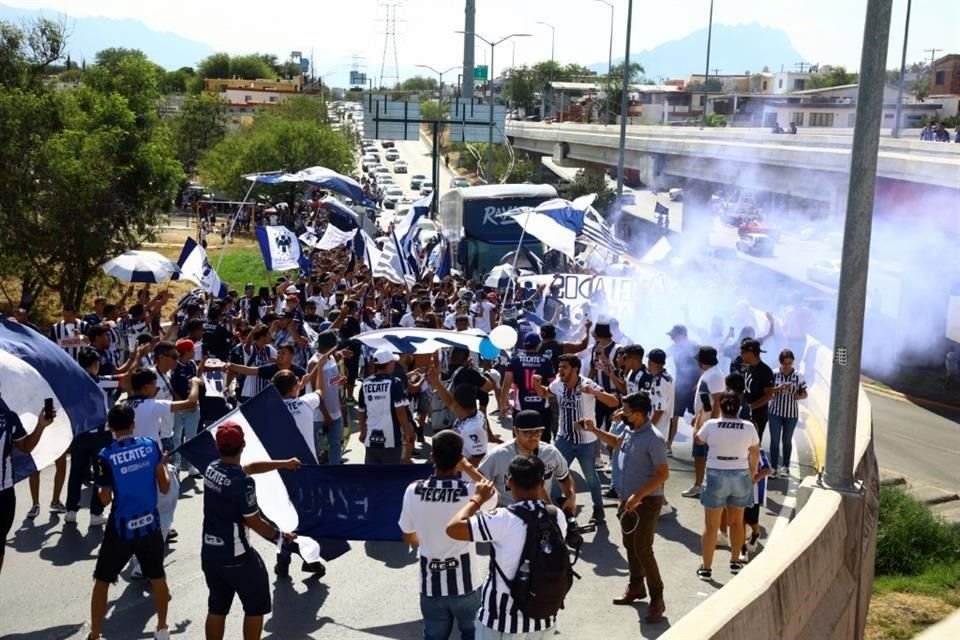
(501, 430)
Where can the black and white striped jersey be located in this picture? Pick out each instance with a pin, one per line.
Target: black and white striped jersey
(574, 405)
(507, 533)
(784, 403)
(448, 567)
(69, 336)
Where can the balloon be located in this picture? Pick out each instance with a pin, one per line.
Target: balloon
(504, 337)
(488, 350)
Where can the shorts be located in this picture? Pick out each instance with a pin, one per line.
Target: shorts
(700, 450)
(245, 577)
(727, 488)
(421, 403)
(391, 455)
(8, 505)
(115, 553)
(683, 398)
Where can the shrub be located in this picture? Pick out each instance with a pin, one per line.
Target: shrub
(910, 539)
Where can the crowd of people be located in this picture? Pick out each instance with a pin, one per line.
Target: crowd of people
(938, 132)
(570, 390)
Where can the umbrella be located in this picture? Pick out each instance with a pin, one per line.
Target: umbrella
(500, 276)
(141, 266)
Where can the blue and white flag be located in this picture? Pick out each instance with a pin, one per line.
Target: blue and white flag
(392, 264)
(333, 181)
(348, 502)
(333, 237)
(420, 341)
(33, 368)
(280, 248)
(195, 266)
(555, 223)
(340, 215)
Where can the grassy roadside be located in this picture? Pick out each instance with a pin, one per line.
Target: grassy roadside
(917, 569)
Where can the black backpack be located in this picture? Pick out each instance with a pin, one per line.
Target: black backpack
(539, 593)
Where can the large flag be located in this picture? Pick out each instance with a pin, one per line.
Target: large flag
(348, 502)
(365, 248)
(421, 341)
(596, 229)
(392, 264)
(333, 237)
(339, 214)
(555, 223)
(33, 368)
(280, 248)
(195, 266)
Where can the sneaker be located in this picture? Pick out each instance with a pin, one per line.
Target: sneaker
(753, 542)
(744, 556)
(316, 568)
(136, 573)
(57, 507)
(735, 567)
(692, 492)
(667, 510)
(669, 451)
(704, 574)
(71, 517)
(34, 512)
(611, 493)
(784, 472)
(98, 520)
(172, 535)
(598, 517)
(161, 634)
(723, 540)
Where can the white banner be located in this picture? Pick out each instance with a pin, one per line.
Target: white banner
(195, 266)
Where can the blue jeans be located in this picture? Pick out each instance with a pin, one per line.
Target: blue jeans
(185, 424)
(781, 427)
(440, 613)
(585, 453)
(331, 437)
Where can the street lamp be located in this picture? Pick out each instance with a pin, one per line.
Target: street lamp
(435, 169)
(609, 57)
(490, 77)
(440, 81)
(624, 105)
(903, 72)
(553, 33)
(553, 37)
(706, 73)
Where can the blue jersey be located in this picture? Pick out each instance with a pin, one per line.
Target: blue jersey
(760, 488)
(11, 430)
(129, 468)
(229, 496)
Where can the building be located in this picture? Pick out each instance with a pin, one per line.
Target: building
(243, 98)
(945, 75)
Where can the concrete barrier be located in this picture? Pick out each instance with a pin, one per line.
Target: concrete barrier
(814, 579)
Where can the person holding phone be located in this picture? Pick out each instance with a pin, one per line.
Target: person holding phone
(789, 387)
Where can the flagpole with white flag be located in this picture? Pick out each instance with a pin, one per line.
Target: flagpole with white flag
(233, 224)
(512, 288)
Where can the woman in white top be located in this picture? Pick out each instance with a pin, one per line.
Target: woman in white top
(734, 451)
(789, 386)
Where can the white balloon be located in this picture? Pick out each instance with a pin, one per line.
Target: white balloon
(504, 337)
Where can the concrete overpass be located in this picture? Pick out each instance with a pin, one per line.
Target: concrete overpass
(812, 164)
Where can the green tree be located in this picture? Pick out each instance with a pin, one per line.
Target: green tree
(575, 71)
(177, 81)
(271, 144)
(419, 83)
(129, 73)
(250, 67)
(613, 83)
(521, 87)
(28, 50)
(837, 76)
(216, 65)
(585, 184)
(198, 127)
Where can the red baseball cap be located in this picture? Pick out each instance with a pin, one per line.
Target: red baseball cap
(229, 436)
(185, 346)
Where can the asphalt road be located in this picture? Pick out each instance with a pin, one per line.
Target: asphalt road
(371, 592)
(916, 443)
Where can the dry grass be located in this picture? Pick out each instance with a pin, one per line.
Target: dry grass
(898, 616)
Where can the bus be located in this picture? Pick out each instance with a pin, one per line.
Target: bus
(479, 236)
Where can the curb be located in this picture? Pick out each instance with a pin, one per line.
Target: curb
(874, 387)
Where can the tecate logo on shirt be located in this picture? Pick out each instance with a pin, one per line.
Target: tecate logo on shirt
(213, 541)
(138, 523)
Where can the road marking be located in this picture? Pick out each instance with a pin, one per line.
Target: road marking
(789, 501)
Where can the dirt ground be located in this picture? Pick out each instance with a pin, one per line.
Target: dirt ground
(898, 616)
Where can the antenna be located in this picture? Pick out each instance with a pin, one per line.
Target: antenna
(390, 37)
(802, 65)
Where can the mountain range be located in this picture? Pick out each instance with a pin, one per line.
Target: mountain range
(87, 36)
(733, 49)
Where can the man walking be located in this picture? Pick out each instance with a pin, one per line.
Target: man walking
(760, 383)
(642, 452)
(449, 576)
(706, 405)
(384, 423)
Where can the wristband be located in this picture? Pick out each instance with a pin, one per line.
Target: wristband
(477, 502)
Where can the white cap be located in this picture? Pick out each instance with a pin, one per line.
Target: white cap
(385, 356)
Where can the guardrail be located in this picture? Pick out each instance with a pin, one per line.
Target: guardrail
(814, 579)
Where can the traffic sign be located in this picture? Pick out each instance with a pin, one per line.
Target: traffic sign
(480, 72)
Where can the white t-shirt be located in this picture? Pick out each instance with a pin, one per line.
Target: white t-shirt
(729, 440)
(473, 430)
(165, 392)
(148, 415)
(483, 309)
(662, 395)
(711, 382)
(302, 410)
(408, 321)
(321, 303)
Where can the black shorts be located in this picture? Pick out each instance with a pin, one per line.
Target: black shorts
(8, 505)
(245, 577)
(683, 397)
(115, 553)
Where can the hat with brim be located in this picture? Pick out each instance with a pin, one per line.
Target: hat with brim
(707, 356)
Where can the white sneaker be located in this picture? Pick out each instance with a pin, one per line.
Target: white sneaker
(753, 542)
(723, 540)
(692, 492)
(71, 517)
(161, 634)
(98, 521)
(667, 509)
(784, 472)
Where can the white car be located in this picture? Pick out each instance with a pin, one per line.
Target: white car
(385, 178)
(391, 197)
(392, 154)
(380, 170)
(825, 272)
(400, 166)
(426, 188)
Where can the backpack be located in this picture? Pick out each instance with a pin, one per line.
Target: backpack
(545, 573)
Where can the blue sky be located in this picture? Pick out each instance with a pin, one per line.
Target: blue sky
(827, 31)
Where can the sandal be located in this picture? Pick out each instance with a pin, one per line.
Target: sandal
(703, 573)
(735, 567)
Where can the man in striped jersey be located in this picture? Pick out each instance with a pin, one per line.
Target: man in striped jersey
(499, 617)
(448, 568)
(69, 332)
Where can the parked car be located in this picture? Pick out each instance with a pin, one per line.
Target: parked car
(385, 178)
(417, 180)
(372, 169)
(458, 183)
(676, 194)
(380, 170)
(629, 196)
(387, 144)
(825, 271)
(392, 155)
(426, 188)
(391, 197)
(400, 166)
(757, 244)
(756, 225)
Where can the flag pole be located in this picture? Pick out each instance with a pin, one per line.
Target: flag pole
(233, 224)
(512, 288)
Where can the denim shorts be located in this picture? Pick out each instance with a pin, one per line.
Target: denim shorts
(727, 488)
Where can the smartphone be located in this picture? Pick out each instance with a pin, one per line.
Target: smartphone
(48, 408)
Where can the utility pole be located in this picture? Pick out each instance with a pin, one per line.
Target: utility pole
(848, 340)
(903, 74)
(706, 73)
(469, 19)
(933, 55)
(624, 105)
(609, 60)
